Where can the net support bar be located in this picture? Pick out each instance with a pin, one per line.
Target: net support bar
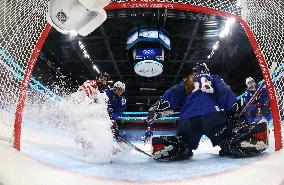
(24, 87)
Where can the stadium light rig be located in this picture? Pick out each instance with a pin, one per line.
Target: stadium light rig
(215, 47)
(147, 89)
(86, 55)
(227, 27)
(81, 45)
(228, 23)
(147, 48)
(96, 68)
(73, 33)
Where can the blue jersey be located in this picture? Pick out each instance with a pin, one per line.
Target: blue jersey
(210, 94)
(148, 134)
(116, 105)
(261, 100)
(223, 94)
(175, 95)
(201, 100)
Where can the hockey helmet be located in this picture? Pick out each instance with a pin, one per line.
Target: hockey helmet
(103, 74)
(249, 79)
(119, 84)
(200, 68)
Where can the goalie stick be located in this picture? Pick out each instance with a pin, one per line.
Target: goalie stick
(252, 98)
(133, 146)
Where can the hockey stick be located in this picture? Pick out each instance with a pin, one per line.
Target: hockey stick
(133, 146)
(252, 98)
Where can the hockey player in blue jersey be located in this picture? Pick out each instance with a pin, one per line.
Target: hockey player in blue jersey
(259, 108)
(205, 102)
(147, 135)
(116, 104)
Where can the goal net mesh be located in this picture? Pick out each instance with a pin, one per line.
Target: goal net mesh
(22, 22)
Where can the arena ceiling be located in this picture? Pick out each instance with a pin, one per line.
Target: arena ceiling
(193, 36)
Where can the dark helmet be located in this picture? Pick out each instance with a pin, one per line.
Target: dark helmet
(200, 68)
(102, 85)
(103, 74)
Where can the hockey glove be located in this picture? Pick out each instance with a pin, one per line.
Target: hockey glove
(152, 117)
(159, 109)
(235, 117)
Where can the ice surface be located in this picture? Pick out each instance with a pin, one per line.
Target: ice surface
(49, 155)
(57, 147)
(58, 160)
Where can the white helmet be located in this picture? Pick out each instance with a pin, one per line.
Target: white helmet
(249, 79)
(119, 84)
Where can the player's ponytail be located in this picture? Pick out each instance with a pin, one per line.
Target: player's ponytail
(189, 83)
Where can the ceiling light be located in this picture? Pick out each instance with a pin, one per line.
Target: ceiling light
(86, 55)
(81, 45)
(96, 68)
(147, 89)
(222, 34)
(216, 45)
(73, 33)
(230, 21)
(228, 24)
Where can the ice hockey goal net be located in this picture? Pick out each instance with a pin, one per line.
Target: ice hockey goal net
(23, 30)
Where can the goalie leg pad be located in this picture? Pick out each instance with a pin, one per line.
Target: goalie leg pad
(248, 130)
(261, 136)
(249, 140)
(169, 148)
(253, 146)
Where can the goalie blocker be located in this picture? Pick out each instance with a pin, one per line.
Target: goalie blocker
(247, 140)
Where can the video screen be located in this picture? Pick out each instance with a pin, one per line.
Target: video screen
(149, 53)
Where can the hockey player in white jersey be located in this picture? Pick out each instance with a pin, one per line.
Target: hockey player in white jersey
(94, 133)
(92, 88)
